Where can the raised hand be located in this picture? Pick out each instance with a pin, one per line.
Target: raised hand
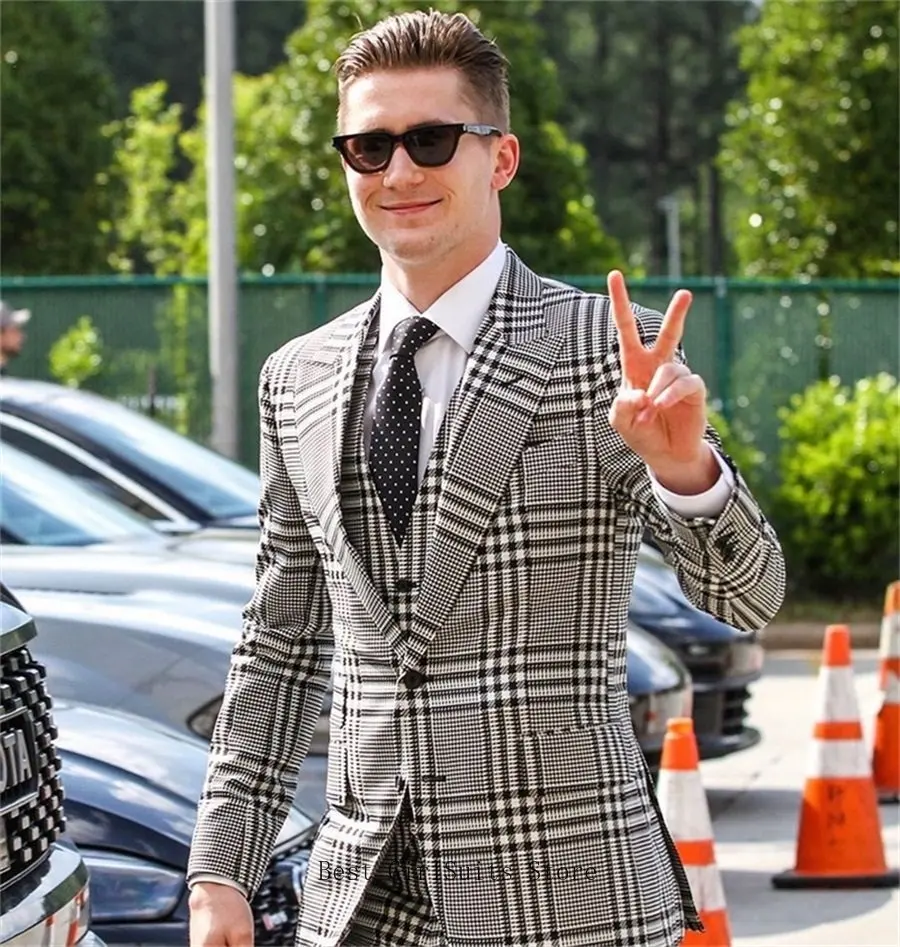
(660, 410)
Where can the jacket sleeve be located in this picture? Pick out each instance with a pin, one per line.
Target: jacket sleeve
(276, 683)
(730, 565)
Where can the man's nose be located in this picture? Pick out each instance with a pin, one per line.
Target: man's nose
(402, 169)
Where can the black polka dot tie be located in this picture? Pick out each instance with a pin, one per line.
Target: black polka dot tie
(394, 446)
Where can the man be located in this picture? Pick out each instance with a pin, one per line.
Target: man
(12, 336)
(456, 477)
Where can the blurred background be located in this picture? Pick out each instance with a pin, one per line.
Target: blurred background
(746, 150)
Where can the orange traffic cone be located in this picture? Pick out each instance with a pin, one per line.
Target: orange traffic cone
(886, 751)
(682, 801)
(839, 844)
(889, 643)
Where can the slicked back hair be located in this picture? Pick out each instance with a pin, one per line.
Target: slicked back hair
(420, 40)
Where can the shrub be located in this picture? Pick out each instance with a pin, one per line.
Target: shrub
(77, 354)
(740, 446)
(837, 504)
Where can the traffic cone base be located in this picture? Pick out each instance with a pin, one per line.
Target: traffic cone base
(839, 843)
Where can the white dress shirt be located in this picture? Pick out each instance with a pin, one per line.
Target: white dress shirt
(441, 361)
(440, 364)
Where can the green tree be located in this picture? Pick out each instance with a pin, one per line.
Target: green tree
(292, 210)
(645, 89)
(812, 150)
(55, 95)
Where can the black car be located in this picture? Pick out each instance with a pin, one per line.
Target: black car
(44, 884)
(723, 662)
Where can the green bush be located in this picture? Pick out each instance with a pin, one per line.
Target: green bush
(740, 446)
(837, 505)
(77, 354)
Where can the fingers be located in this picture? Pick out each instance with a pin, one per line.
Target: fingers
(626, 406)
(672, 330)
(664, 376)
(623, 315)
(690, 388)
(671, 385)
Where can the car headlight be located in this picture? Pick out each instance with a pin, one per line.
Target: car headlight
(124, 888)
(745, 657)
(204, 720)
(673, 622)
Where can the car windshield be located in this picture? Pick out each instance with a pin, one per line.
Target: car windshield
(214, 483)
(40, 506)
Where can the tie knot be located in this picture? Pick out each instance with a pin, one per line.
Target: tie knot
(413, 334)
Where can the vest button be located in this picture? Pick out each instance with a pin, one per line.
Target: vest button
(413, 679)
(405, 585)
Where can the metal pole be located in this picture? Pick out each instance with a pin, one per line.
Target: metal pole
(220, 194)
(670, 206)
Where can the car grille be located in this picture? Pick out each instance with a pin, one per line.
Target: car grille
(708, 666)
(276, 906)
(720, 712)
(34, 823)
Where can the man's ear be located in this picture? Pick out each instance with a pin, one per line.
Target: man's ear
(506, 162)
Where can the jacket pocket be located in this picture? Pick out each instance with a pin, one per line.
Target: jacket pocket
(570, 759)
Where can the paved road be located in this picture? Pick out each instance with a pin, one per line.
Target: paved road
(754, 798)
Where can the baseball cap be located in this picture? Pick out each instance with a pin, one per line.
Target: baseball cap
(12, 317)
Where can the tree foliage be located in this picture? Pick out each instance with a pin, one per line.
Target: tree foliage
(55, 95)
(812, 149)
(292, 209)
(645, 90)
(838, 501)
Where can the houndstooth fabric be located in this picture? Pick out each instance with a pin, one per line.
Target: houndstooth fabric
(488, 688)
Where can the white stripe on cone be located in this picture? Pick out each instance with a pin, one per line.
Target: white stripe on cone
(832, 759)
(683, 801)
(706, 887)
(891, 688)
(889, 646)
(837, 695)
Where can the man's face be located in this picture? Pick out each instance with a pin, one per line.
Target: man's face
(418, 215)
(11, 340)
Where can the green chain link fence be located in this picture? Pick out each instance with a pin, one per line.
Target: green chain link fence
(755, 343)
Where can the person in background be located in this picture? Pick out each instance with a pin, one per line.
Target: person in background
(456, 477)
(12, 335)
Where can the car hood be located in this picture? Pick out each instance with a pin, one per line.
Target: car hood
(652, 667)
(116, 569)
(660, 606)
(135, 784)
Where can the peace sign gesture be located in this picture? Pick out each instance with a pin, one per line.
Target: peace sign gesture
(660, 410)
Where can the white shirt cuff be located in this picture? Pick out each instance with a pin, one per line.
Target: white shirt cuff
(217, 879)
(710, 503)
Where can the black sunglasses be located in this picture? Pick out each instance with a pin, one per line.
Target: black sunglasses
(429, 146)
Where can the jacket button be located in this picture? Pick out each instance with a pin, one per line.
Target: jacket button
(405, 585)
(413, 679)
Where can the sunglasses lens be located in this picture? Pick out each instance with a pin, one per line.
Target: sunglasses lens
(367, 152)
(432, 146)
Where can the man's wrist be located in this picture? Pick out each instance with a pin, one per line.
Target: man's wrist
(689, 477)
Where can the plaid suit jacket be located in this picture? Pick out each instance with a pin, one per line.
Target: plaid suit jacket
(534, 807)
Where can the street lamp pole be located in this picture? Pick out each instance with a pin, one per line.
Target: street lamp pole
(670, 206)
(220, 194)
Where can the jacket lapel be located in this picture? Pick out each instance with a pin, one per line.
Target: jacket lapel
(321, 449)
(505, 380)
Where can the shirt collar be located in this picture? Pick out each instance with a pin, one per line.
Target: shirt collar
(459, 312)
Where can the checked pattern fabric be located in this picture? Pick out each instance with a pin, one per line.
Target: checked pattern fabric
(479, 671)
(394, 449)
